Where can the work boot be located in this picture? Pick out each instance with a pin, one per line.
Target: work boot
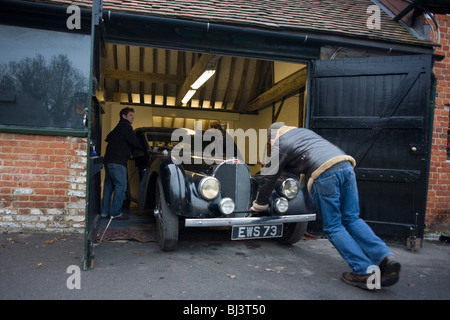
(355, 280)
(390, 271)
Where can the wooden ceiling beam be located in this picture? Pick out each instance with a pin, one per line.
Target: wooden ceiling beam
(289, 85)
(143, 76)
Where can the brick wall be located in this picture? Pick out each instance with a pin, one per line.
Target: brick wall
(42, 183)
(438, 202)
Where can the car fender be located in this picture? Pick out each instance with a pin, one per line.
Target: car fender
(301, 204)
(173, 183)
(144, 187)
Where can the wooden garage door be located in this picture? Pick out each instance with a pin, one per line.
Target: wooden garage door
(377, 110)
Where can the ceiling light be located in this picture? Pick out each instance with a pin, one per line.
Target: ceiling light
(188, 96)
(203, 78)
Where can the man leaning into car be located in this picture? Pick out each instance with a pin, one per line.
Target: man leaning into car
(332, 185)
(121, 141)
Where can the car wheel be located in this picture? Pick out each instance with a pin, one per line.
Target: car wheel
(293, 232)
(166, 221)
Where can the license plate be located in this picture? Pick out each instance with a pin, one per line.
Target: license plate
(256, 231)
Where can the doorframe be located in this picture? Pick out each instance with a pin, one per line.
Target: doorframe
(95, 14)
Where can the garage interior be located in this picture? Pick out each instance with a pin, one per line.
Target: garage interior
(243, 92)
(240, 87)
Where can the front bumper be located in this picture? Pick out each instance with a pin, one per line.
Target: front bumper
(225, 222)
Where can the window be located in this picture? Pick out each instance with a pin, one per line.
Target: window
(44, 78)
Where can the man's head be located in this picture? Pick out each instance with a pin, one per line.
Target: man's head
(127, 114)
(273, 129)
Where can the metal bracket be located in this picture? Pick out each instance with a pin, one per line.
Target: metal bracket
(413, 242)
(405, 11)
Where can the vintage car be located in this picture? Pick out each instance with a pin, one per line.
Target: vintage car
(205, 192)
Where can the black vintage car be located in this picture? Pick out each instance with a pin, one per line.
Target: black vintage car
(208, 190)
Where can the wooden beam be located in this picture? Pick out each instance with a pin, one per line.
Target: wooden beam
(229, 83)
(143, 76)
(195, 72)
(195, 113)
(289, 85)
(237, 106)
(141, 69)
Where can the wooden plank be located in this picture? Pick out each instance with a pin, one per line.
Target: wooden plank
(241, 85)
(364, 67)
(289, 85)
(390, 175)
(141, 69)
(143, 76)
(195, 113)
(368, 122)
(229, 84)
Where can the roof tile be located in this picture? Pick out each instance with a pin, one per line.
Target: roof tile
(346, 18)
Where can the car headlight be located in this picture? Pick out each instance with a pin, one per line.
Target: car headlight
(209, 188)
(226, 206)
(281, 205)
(289, 188)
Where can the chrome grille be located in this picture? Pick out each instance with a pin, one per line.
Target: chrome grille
(234, 180)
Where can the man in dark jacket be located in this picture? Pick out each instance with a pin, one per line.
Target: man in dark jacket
(121, 141)
(332, 184)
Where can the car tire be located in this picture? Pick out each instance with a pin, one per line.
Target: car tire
(293, 232)
(166, 221)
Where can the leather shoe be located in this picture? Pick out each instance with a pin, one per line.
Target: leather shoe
(390, 271)
(355, 280)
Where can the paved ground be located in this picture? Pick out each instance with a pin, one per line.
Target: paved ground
(34, 266)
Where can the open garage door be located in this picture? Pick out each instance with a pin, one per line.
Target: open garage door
(243, 92)
(377, 110)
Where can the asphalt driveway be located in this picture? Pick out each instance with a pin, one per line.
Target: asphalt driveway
(41, 266)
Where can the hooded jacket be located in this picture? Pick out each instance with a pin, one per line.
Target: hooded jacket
(301, 152)
(121, 141)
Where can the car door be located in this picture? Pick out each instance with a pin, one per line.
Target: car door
(377, 110)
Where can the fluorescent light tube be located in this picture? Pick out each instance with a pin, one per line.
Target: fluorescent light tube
(188, 96)
(203, 78)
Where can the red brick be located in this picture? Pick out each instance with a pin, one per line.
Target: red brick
(40, 163)
(439, 179)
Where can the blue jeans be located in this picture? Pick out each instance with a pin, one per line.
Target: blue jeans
(335, 196)
(115, 182)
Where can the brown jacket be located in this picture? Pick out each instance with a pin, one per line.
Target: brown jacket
(301, 152)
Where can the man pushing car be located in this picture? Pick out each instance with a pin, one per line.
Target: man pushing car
(332, 184)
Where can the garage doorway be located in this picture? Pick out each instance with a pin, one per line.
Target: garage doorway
(252, 93)
(243, 93)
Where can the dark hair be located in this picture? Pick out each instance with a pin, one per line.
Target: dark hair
(125, 111)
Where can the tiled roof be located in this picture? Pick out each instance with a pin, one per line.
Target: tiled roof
(339, 17)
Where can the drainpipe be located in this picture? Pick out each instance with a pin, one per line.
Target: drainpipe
(430, 135)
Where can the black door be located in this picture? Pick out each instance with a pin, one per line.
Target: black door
(377, 110)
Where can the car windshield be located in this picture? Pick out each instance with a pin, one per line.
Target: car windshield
(158, 139)
(196, 143)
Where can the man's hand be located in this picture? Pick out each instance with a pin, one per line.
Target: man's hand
(258, 207)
